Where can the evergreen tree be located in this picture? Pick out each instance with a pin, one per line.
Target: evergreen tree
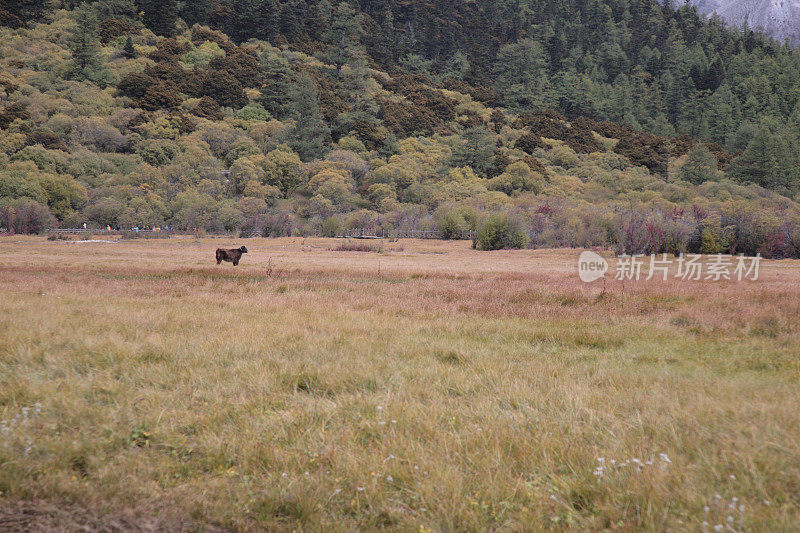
(700, 166)
(344, 35)
(310, 134)
(86, 63)
(476, 151)
(196, 12)
(770, 160)
(520, 74)
(319, 20)
(17, 13)
(159, 15)
(277, 85)
(724, 114)
(128, 50)
(358, 94)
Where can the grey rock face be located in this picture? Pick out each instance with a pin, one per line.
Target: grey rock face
(779, 18)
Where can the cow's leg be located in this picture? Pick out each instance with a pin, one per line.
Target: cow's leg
(219, 261)
(235, 262)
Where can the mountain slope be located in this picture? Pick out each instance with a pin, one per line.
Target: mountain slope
(778, 18)
(104, 121)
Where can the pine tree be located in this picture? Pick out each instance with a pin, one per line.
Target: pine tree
(700, 166)
(310, 134)
(277, 85)
(358, 94)
(86, 63)
(344, 35)
(319, 20)
(520, 74)
(769, 160)
(724, 114)
(128, 50)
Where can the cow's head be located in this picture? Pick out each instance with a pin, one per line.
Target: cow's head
(243, 249)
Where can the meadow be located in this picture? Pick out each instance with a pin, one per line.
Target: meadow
(427, 386)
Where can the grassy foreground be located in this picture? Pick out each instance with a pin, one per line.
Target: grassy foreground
(427, 387)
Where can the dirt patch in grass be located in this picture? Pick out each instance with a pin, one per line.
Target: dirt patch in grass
(24, 516)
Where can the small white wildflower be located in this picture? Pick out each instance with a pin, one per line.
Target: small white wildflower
(336, 491)
(766, 502)
(718, 527)
(394, 421)
(389, 479)
(732, 477)
(553, 497)
(717, 497)
(305, 473)
(285, 474)
(664, 457)
(741, 508)
(424, 510)
(416, 467)
(730, 519)
(706, 508)
(360, 489)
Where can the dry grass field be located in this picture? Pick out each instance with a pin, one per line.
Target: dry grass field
(427, 387)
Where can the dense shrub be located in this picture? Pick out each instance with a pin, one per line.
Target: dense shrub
(456, 223)
(529, 142)
(224, 88)
(208, 108)
(11, 112)
(645, 149)
(112, 28)
(500, 231)
(160, 95)
(407, 119)
(24, 215)
(240, 63)
(135, 85)
(48, 139)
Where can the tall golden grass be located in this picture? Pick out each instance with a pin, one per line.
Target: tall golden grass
(430, 387)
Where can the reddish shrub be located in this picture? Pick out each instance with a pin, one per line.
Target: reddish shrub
(11, 112)
(208, 108)
(529, 142)
(48, 139)
(112, 28)
(135, 85)
(160, 95)
(498, 120)
(407, 119)
(242, 64)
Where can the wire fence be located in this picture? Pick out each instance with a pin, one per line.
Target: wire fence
(359, 233)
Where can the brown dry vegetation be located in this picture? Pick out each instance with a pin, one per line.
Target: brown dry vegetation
(430, 385)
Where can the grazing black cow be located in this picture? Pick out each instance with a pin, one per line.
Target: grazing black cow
(232, 255)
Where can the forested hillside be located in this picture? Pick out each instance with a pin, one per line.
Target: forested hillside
(624, 123)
